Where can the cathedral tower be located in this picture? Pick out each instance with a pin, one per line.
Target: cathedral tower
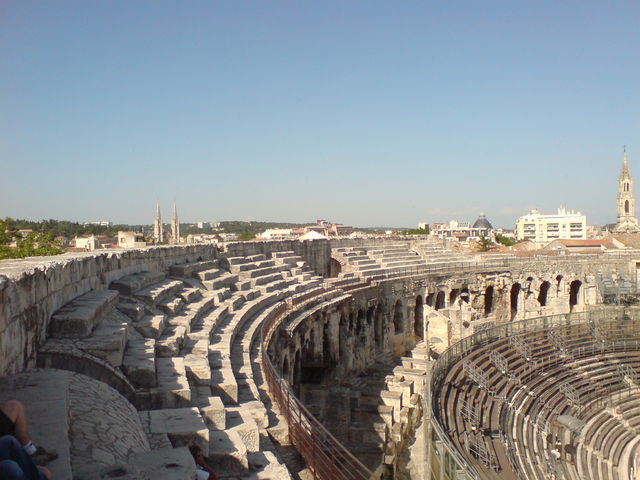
(626, 221)
(175, 226)
(158, 234)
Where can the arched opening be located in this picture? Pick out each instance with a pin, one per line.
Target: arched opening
(515, 293)
(327, 359)
(440, 300)
(488, 300)
(296, 373)
(342, 337)
(626, 207)
(453, 295)
(398, 319)
(574, 294)
(360, 323)
(378, 328)
(464, 294)
(430, 299)
(418, 316)
(559, 284)
(334, 268)
(285, 368)
(543, 293)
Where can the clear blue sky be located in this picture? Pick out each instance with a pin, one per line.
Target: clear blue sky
(362, 112)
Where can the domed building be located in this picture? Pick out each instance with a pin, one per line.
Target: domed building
(482, 222)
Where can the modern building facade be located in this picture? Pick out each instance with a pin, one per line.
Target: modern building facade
(542, 228)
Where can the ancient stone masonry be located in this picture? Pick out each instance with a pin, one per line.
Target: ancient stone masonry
(163, 347)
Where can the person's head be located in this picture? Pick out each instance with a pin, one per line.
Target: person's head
(196, 451)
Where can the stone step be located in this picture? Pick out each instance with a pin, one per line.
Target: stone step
(139, 363)
(245, 267)
(248, 259)
(263, 280)
(258, 272)
(131, 307)
(266, 466)
(171, 341)
(190, 269)
(190, 294)
(183, 426)
(172, 387)
(150, 326)
(172, 305)
(226, 280)
(198, 369)
(157, 292)
(109, 339)
(242, 422)
(79, 317)
(227, 453)
(166, 463)
(210, 274)
(130, 284)
(214, 414)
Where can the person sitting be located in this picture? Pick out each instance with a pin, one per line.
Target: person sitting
(203, 470)
(13, 421)
(17, 464)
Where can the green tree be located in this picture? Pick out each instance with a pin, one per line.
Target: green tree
(485, 244)
(507, 242)
(415, 231)
(244, 236)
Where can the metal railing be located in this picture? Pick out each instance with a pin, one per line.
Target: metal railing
(459, 350)
(325, 456)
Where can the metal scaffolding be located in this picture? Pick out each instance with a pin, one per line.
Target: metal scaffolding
(470, 414)
(499, 361)
(627, 372)
(522, 347)
(570, 393)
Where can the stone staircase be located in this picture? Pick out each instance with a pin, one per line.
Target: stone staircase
(182, 348)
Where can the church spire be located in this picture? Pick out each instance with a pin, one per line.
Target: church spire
(624, 172)
(157, 226)
(627, 222)
(175, 226)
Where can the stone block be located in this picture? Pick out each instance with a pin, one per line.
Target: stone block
(227, 453)
(214, 414)
(150, 326)
(198, 370)
(223, 384)
(241, 421)
(183, 426)
(172, 390)
(78, 318)
(139, 362)
(129, 284)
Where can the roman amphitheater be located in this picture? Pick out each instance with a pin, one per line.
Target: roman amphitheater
(326, 359)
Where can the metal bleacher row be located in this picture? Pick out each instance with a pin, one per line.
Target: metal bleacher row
(561, 402)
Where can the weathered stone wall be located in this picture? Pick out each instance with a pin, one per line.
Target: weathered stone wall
(34, 288)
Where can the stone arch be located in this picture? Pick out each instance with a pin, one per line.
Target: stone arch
(398, 318)
(488, 300)
(378, 327)
(464, 294)
(515, 293)
(335, 267)
(327, 358)
(574, 294)
(295, 370)
(359, 330)
(453, 295)
(418, 318)
(430, 300)
(440, 300)
(285, 368)
(543, 293)
(343, 331)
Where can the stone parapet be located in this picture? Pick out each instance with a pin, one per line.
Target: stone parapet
(32, 289)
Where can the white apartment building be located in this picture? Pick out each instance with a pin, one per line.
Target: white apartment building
(541, 228)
